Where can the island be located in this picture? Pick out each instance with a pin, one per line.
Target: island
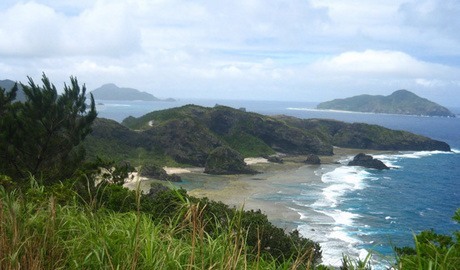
(399, 102)
(111, 91)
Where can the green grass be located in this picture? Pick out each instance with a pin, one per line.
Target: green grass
(46, 235)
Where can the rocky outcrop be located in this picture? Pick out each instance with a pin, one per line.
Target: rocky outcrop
(367, 161)
(313, 160)
(275, 159)
(224, 160)
(156, 172)
(156, 189)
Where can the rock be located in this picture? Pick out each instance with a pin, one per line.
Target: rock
(275, 159)
(155, 189)
(313, 159)
(224, 160)
(367, 161)
(156, 172)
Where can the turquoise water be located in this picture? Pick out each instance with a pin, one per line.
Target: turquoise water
(363, 209)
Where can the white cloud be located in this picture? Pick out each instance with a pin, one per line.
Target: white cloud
(275, 49)
(36, 30)
(377, 63)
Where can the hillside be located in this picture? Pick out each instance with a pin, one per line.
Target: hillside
(188, 134)
(399, 102)
(112, 92)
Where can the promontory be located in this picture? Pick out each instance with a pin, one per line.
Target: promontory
(191, 134)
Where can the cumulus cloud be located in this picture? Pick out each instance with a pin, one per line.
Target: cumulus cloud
(36, 30)
(310, 50)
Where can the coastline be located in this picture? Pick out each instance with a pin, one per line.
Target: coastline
(273, 192)
(249, 191)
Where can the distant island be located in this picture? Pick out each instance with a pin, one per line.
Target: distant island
(399, 102)
(9, 84)
(111, 91)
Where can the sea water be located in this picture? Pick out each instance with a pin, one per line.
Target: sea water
(356, 210)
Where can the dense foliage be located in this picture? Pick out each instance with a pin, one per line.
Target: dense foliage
(40, 135)
(57, 227)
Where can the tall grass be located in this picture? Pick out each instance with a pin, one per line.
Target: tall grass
(51, 236)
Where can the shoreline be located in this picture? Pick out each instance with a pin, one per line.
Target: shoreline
(273, 192)
(248, 191)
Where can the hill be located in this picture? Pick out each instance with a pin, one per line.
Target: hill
(8, 84)
(112, 92)
(399, 102)
(188, 134)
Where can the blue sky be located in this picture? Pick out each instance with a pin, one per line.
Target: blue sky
(313, 50)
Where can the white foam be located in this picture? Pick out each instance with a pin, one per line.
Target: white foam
(455, 151)
(341, 217)
(391, 159)
(340, 234)
(341, 181)
(334, 242)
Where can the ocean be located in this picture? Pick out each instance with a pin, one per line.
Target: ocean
(362, 210)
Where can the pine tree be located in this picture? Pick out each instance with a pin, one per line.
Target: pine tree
(41, 136)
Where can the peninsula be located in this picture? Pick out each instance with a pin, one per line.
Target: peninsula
(191, 135)
(399, 102)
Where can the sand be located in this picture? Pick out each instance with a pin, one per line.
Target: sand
(243, 190)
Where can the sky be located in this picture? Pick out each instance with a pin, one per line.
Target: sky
(293, 50)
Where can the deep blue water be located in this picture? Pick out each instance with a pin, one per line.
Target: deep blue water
(366, 209)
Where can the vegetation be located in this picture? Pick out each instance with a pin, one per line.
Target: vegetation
(399, 102)
(432, 251)
(224, 160)
(40, 135)
(88, 220)
(366, 136)
(122, 229)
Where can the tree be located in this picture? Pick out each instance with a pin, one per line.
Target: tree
(41, 136)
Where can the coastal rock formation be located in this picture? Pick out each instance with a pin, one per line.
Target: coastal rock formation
(399, 102)
(367, 161)
(275, 159)
(313, 160)
(224, 160)
(156, 189)
(156, 172)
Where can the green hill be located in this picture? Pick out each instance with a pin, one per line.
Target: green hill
(399, 102)
(188, 134)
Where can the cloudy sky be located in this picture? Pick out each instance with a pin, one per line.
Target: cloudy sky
(311, 50)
